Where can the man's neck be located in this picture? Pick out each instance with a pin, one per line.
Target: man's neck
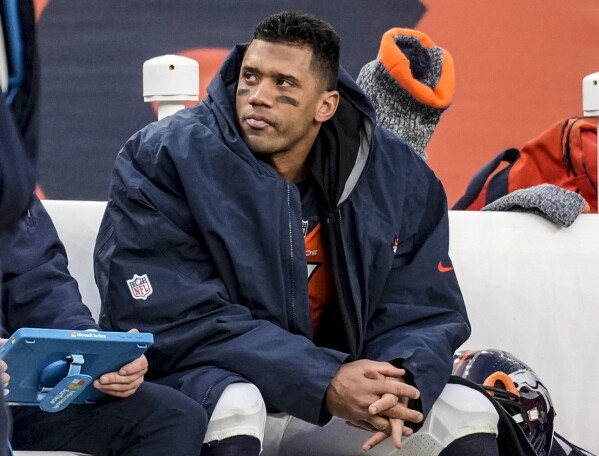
(292, 167)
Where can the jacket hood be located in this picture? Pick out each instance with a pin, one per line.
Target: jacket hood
(342, 146)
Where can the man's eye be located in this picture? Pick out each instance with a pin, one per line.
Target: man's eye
(248, 77)
(285, 83)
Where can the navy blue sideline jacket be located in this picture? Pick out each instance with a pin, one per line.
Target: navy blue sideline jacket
(17, 169)
(38, 290)
(202, 245)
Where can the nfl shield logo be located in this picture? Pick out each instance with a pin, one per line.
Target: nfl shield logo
(140, 286)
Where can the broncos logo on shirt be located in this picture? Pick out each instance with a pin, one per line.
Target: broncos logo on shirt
(319, 275)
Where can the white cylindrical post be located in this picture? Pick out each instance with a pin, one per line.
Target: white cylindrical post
(590, 106)
(3, 63)
(170, 80)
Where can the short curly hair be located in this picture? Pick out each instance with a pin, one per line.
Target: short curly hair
(303, 29)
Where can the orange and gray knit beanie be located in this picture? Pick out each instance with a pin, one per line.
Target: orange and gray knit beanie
(411, 83)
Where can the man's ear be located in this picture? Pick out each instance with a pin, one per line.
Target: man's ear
(327, 106)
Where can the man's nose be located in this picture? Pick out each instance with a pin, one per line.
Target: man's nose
(261, 94)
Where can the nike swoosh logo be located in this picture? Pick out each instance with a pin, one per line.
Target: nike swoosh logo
(442, 268)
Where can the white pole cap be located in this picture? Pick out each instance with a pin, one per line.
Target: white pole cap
(590, 95)
(170, 80)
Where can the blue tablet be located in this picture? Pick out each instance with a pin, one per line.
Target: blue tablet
(53, 368)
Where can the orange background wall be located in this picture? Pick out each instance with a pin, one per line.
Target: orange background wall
(519, 68)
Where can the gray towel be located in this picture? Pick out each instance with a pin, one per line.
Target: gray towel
(554, 203)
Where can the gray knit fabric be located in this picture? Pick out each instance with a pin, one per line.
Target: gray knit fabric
(395, 108)
(557, 204)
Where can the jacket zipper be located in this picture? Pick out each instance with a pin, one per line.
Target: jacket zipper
(291, 258)
(351, 289)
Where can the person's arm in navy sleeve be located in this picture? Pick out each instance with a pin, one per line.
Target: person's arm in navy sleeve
(38, 288)
(17, 169)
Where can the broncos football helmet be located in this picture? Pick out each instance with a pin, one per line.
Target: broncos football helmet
(514, 386)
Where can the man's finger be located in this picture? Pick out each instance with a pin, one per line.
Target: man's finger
(373, 424)
(396, 432)
(381, 370)
(115, 378)
(137, 365)
(399, 389)
(386, 402)
(402, 412)
(379, 423)
(357, 426)
(121, 394)
(392, 371)
(362, 425)
(373, 441)
(119, 386)
(116, 389)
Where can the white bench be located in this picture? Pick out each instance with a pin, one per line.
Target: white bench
(531, 288)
